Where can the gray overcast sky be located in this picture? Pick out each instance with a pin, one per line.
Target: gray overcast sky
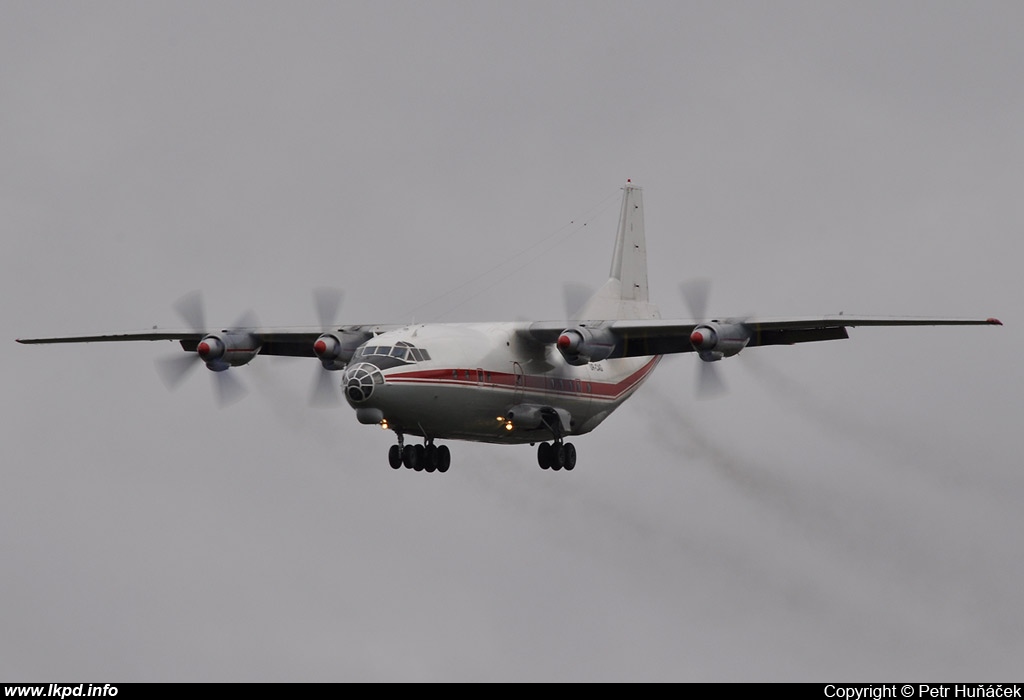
(849, 511)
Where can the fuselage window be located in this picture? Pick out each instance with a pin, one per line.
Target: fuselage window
(455, 374)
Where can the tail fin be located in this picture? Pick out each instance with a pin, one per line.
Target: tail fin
(624, 295)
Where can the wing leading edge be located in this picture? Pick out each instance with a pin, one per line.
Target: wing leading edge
(636, 338)
(291, 342)
(633, 338)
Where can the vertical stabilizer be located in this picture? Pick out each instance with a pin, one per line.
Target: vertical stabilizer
(629, 263)
(624, 295)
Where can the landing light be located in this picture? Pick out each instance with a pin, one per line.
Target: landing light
(384, 424)
(508, 425)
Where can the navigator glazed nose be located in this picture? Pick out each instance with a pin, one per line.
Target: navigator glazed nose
(359, 381)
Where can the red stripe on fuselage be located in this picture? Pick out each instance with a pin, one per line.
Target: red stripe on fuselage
(532, 383)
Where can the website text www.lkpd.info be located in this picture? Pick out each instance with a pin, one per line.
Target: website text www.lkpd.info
(61, 690)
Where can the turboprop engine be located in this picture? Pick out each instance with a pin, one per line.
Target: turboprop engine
(714, 340)
(335, 349)
(227, 349)
(581, 345)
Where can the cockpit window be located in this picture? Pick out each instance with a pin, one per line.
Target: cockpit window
(401, 351)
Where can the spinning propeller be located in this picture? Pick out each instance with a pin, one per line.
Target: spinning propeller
(574, 296)
(326, 390)
(709, 381)
(212, 350)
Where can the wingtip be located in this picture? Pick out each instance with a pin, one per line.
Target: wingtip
(994, 322)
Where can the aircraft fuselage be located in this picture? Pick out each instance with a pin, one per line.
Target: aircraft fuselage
(460, 381)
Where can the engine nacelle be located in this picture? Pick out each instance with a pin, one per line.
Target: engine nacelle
(714, 340)
(581, 345)
(335, 349)
(227, 349)
(529, 416)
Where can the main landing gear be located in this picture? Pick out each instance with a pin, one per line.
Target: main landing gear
(421, 458)
(556, 455)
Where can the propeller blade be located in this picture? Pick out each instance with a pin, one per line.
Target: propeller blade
(328, 302)
(326, 391)
(246, 320)
(695, 292)
(228, 388)
(190, 308)
(709, 381)
(173, 370)
(575, 295)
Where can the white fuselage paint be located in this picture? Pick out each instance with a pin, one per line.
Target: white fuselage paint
(478, 371)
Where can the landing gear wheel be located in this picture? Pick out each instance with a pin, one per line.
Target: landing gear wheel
(430, 458)
(395, 456)
(558, 456)
(420, 460)
(545, 458)
(409, 456)
(444, 458)
(570, 456)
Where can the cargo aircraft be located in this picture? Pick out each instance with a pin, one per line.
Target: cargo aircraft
(526, 382)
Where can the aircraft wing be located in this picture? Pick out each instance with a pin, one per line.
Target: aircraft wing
(114, 337)
(292, 342)
(635, 338)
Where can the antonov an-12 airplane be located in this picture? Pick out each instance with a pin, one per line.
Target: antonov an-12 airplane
(537, 383)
